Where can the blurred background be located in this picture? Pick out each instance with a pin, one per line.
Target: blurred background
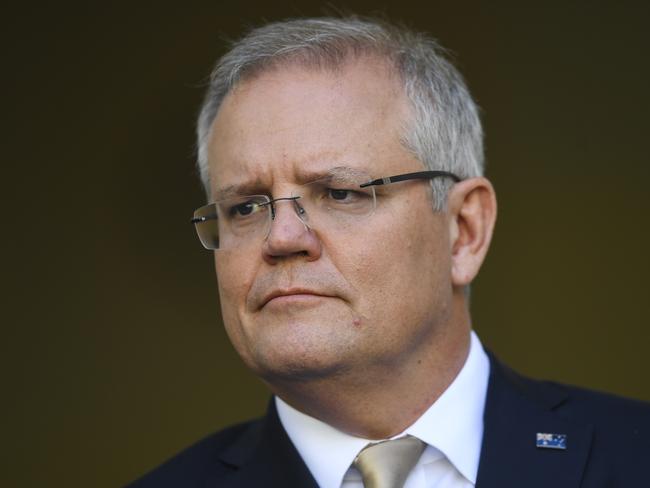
(114, 356)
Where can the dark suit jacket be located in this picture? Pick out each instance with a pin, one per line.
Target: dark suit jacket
(607, 444)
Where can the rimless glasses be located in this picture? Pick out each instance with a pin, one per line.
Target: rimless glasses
(335, 203)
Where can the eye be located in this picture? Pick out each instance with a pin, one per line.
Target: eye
(243, 209)
(345, 196)
(336, 194)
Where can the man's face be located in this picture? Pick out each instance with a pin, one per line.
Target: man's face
(371, 296)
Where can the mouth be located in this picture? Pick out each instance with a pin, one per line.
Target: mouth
(291, 296)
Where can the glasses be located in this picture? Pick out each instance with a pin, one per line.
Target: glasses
(336, 203)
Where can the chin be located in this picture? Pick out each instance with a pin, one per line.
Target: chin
(301, 352)
(296, 371)
(299, 342)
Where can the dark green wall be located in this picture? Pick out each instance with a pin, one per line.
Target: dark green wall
(113, 353)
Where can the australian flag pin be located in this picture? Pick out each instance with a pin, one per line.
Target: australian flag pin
(551, 441)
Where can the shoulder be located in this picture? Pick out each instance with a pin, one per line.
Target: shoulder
(206, 459)
(620, 427)
(605, 411)
(604, 408)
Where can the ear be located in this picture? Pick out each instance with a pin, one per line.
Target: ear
(472, 211)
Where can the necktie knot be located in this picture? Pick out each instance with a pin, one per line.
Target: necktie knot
(387, 464)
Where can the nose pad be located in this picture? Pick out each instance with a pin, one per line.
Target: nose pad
(290, 235)
(299, 212)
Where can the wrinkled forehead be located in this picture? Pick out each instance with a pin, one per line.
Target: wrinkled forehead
(290, 121)
(337, 176)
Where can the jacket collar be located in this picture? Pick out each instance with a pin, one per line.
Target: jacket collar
(265, 456)
(516, 410)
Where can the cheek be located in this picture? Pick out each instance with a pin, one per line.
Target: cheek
(399, 268)
(234, 278)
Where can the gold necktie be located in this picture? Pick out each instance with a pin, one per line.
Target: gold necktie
(387, 464)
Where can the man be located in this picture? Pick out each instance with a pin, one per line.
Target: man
(343, 164)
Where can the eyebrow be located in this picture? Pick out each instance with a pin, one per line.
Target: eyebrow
(237, 189)
(341, 171)
(256, 187)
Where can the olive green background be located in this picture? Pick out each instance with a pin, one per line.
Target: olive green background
(113, 355)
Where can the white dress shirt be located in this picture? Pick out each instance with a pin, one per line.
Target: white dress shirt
(452, 428)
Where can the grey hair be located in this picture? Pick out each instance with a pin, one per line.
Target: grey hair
(445, 131)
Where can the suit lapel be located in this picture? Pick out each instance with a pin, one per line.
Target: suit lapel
(265, 456)
(516, 410)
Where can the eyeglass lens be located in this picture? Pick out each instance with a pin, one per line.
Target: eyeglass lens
(332, 204)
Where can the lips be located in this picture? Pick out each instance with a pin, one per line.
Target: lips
(303, 292)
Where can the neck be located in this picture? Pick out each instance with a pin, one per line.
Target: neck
(381, 401)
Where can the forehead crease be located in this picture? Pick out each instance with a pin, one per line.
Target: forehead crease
(301, 174)
(292, 159)
(295, 125)
(238, 188)
(340, 171)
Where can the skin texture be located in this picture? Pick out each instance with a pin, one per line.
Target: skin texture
(372, 324)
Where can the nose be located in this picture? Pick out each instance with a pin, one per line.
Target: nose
(289, 235)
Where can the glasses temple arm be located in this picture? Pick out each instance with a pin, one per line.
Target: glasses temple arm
(420, 175)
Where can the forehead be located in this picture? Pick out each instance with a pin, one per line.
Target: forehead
(294, 120)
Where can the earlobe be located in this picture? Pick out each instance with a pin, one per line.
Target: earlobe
(472, 212)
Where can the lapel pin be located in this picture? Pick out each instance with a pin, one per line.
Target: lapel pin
(551, 441)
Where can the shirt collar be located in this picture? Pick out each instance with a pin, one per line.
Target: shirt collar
(453, 425)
